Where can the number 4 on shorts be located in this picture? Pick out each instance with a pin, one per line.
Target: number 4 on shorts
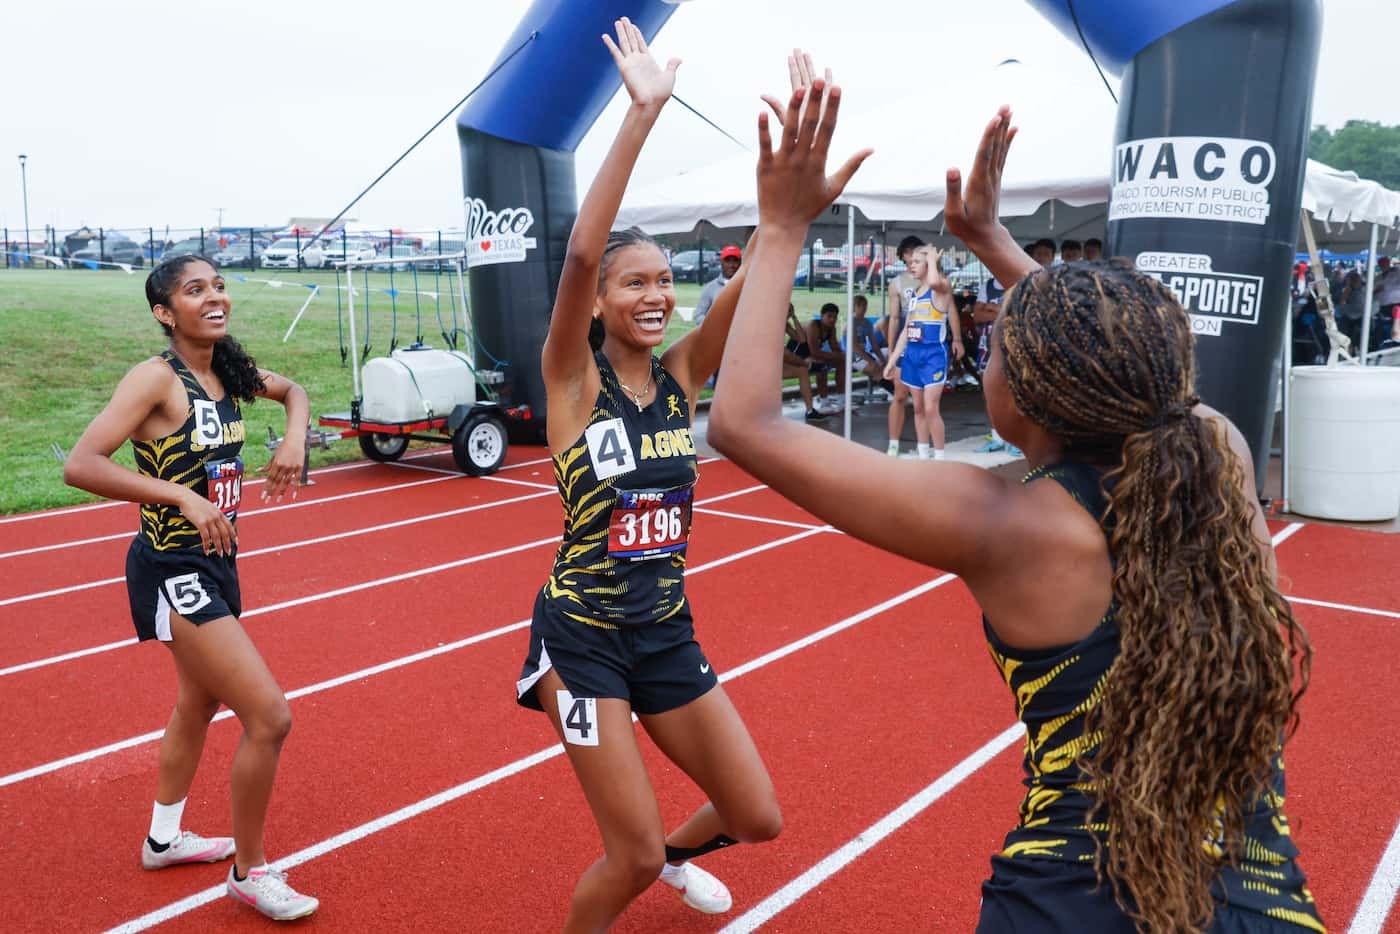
(579, 717)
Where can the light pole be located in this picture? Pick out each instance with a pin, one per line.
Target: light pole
(24, 187)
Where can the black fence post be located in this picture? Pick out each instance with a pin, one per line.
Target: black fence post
(297, 234)
(252, 250)
(201, 241)
(101, 247)
(151, 243)
(812, 266)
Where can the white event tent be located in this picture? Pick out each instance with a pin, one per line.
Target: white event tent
(1056, 183)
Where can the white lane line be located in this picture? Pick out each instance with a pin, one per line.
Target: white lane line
(539, 486)
(110, 748)
(763, 519)
(413, 520)
(748, 489)
(336, 468)
(784, 898)
(1287, 532)
(246, 514)
(1375, 905)
(1344, 606)
(251, 512)
(331, 844)
(95, 650)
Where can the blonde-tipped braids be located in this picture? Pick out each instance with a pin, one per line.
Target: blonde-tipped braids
(1212, 663)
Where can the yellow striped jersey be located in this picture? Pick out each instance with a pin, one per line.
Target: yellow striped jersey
(202, 454)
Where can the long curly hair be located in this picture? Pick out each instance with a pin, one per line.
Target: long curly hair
(235, 369)
(1211, 664)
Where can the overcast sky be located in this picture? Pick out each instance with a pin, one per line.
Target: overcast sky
(155, 112)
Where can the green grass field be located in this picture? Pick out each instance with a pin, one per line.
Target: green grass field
(68, 336)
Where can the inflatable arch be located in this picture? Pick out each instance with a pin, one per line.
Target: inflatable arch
(1208, 169)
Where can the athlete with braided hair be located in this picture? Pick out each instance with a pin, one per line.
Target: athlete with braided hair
(612, 632)
(1127, 583)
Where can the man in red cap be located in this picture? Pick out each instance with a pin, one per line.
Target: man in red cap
(729, 259)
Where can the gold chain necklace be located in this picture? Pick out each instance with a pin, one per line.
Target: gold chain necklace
(636, 396)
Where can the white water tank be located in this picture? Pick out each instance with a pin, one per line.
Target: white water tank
(1344, 442)
(413, 384)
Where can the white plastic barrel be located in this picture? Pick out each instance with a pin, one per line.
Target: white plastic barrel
(1344, 442)
(410, 385)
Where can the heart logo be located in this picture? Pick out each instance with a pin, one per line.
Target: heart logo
(485, 245)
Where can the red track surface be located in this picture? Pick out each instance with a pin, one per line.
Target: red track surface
(851, 726)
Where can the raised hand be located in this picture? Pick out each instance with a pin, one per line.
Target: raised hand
(647, 83)
(793, 187)
(971, 213)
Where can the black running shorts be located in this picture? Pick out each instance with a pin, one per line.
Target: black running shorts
(198, 587)
(656, 667)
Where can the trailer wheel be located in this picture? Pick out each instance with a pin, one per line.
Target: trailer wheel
(382, 447)
(479, 444)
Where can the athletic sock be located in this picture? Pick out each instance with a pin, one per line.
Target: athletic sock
(997, 438)
(923, 452)
(670, 872)
(165, 821)
(893, 449)
(938, 454)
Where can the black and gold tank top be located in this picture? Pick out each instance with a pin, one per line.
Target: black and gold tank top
(202, 454)
(626, 485)
(1054, 689)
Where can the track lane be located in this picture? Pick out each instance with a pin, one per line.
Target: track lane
(414, 732)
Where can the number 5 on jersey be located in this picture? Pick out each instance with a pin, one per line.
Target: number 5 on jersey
(579, 716)
(609, 448)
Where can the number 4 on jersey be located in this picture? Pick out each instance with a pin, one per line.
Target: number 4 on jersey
(609, 448)
(579, 717)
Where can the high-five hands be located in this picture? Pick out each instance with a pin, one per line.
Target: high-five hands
(971, 213)
(793, 187)
(648, 84)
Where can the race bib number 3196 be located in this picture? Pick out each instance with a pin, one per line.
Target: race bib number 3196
(649, 524)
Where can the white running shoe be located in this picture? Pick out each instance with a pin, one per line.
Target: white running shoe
(699, 889)
(186, 848)
(267, 890)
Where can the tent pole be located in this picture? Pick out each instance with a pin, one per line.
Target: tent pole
(1370, 298)
(850, 311)
(1285, 477)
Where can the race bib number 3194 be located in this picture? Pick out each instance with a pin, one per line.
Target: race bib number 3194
(225, 484)
(649, 524)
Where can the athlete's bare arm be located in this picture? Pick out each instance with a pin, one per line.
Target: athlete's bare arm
(286, 464)
(142, 406)
(570, 376)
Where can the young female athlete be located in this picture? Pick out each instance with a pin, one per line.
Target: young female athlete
(182, 411)
(921, 355)
(1128, 583)
(612, 630)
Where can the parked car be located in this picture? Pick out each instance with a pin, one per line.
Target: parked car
(109, 250)
(282, 254)
(203, 246)
(685, 266)
(402, 252)
(831, 270)
(238, 252)
(351, 251)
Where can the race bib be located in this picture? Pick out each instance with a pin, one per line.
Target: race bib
(609, 449)
(225, 484)
(914, 331)
(649, 524)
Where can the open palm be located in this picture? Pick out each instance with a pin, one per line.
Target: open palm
(648, 84)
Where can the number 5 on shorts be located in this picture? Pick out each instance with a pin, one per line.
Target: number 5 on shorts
(579, 717)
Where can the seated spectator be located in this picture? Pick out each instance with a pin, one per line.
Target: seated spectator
(797, 364)
(827, 353)
(1352, 307)
(1093, 249)
(1071, 251)
(870, 354)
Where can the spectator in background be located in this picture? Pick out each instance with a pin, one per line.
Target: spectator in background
(1042, 251)
(797, 364)
(866, 345)
(827, 353)
(897, 300)
(729, 260)
(1387, 287)
(1352, 307)
(1071, 251)
(1093, 249)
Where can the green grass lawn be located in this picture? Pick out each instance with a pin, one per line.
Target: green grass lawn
(68, 336)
